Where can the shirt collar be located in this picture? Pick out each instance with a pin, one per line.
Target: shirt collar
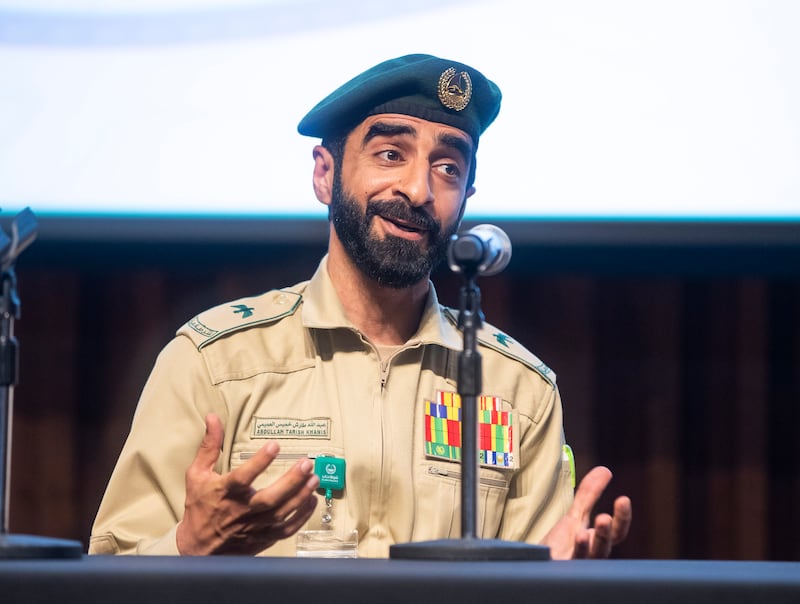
(322, 309)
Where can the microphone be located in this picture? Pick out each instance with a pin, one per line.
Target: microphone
(482, 250)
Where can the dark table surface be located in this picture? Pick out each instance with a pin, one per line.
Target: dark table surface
(152, 580)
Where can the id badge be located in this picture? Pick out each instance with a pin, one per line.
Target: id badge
(327, 542)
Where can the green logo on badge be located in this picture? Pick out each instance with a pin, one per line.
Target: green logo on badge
(331, 471)
(246, 311)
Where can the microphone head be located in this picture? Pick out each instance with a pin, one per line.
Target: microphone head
(498, 248)
(483, 250)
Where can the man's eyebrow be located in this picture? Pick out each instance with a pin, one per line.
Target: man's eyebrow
(456, 142)
(387, 129)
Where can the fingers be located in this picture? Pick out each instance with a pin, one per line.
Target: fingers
(296, 521)
(276, 511)
(282, 499)
(246, 473)
(601, 543)
(289, 490)
(588, 492)
(209, 449)
(623, 516)
(582, 544)
(262, 533)
(608, 530)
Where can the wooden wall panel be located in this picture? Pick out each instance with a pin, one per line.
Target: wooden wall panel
(685, 382)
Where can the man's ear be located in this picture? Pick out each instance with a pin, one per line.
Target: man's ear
(323, 174)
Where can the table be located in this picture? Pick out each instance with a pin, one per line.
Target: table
(157, 580)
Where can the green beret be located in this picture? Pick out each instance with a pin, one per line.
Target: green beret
(427, 87)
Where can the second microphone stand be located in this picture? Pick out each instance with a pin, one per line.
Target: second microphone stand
(23, 232)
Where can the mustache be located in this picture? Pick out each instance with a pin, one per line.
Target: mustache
(400, 209)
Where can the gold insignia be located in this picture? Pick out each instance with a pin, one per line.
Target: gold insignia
(455, 89)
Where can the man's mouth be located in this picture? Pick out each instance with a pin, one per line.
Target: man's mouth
(404, 225)
(400, 221)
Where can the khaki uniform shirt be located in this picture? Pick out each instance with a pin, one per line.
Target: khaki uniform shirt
(288, 365)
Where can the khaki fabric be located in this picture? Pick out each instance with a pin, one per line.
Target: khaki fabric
(288, 365)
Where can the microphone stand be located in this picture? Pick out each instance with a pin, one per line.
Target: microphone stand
(470, 382)
(23, 230)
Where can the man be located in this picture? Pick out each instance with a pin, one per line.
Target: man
(353, 366)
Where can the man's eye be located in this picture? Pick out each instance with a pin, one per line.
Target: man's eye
(451, 170)
(390, 155)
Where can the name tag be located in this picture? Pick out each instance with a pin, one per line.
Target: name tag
(285, 427)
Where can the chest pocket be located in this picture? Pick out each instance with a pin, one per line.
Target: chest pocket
(439, 503)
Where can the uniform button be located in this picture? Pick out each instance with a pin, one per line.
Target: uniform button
(281, 299)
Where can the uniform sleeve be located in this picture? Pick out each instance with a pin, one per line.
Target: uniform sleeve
(144, 499)
(542, 489)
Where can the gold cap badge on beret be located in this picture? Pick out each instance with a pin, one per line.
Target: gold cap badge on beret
(455, 89)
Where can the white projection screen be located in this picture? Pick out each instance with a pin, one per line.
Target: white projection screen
(141, 116)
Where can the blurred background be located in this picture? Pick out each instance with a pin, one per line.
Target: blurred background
(645, 165)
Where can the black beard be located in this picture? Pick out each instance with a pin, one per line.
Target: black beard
(392, 261)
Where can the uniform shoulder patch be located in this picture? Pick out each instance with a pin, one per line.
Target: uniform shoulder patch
(240, 314)
(493, 338)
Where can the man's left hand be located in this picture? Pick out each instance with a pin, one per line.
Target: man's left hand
(574, 537)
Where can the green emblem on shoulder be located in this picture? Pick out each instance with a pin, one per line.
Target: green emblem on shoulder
(246, 310)
(503, 339)
(495, 339)
(244, 313)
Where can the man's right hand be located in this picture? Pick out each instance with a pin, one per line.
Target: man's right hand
(224, 514)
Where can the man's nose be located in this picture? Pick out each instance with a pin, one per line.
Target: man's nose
(415, 184)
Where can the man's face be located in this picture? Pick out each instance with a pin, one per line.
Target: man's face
(399, 195)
